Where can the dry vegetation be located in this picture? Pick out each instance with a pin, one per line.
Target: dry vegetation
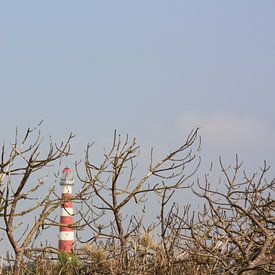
(232, 233)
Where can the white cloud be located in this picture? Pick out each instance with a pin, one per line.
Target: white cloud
(228, 130)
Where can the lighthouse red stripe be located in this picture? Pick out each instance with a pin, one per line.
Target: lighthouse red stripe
(66, 219)
(68, 200)
(67, 196)
(68, 204)
(66, 246)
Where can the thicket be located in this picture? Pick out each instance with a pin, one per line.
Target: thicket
(232, 232)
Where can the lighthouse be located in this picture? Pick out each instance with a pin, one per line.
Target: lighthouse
(66, 232)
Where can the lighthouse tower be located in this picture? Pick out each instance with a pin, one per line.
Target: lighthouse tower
(66, 233)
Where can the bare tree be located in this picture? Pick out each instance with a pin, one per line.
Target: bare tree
(235, 232)
(20, 161)
(110, 187)
(232, 232)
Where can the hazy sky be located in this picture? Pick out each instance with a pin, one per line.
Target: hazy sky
(153, 69)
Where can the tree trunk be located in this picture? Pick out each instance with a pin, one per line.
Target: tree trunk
(17, 268)
(124, 256)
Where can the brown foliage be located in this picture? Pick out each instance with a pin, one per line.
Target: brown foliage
(232, 233)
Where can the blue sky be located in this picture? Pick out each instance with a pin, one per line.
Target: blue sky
(153, 69)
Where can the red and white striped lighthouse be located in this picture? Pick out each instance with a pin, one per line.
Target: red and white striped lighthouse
(66, 233)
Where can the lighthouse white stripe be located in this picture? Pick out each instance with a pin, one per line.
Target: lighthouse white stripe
(66, 189)
(66, 212)
(66, 235)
